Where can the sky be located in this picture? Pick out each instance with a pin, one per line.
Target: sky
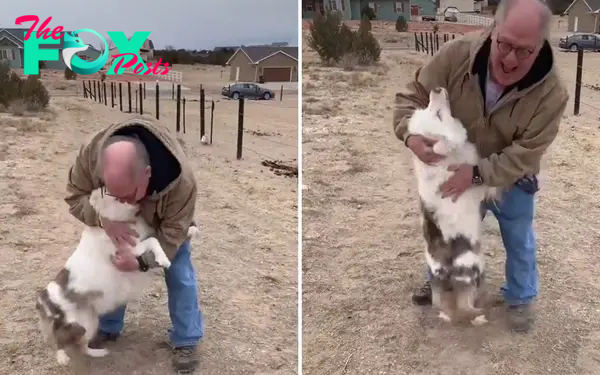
(190, 24)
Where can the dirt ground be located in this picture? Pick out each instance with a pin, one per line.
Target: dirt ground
(246, 259)
(363, 251)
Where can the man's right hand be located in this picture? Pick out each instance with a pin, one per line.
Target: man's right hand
(120, 233)
(422, 147)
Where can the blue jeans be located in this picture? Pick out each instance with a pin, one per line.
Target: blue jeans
(515, 218)
(184, 309)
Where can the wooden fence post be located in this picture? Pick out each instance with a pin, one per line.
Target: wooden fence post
(120, 97)
(178, 114)
(240, 134)
(157, 100)
(129, 94)
(577, 98)
(202, 113)
(281, 94)
(212, 115)
(104, 88)
(112, 94)
(183, 113)
(142, 97)
(95, 97)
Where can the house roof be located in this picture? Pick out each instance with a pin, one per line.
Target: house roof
(258, 53)
(593, 5)
(19, 33)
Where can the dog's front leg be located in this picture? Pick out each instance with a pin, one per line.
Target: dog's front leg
(151, 247)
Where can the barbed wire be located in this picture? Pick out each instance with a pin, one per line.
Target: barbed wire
(246, 148)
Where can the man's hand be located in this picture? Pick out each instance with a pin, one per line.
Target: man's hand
(122, 236)
(120, 233)
(459, 182)
(422, 147)
(125, 261)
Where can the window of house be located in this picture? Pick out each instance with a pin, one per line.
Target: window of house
(333, 5)
(308, 6)
(399, 7)
(343, 5)
(7, 54)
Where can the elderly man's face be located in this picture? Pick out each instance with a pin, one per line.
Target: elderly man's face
(514, 49)
(127, 190)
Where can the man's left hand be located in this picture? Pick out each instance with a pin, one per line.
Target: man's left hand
(460, 181)
(125, 261)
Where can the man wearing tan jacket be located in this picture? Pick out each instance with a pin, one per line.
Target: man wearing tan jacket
(504, 88)
(138, 161)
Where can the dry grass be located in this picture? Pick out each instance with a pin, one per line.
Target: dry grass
(362, 249)
(246, 259)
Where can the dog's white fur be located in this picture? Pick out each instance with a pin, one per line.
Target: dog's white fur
(92, 271)
(462, 217)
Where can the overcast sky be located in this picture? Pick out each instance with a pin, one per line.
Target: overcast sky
(191, 24)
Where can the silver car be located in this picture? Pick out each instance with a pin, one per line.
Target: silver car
(584, 41)
(247, 90)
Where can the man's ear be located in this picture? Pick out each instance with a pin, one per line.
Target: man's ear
(148, 171)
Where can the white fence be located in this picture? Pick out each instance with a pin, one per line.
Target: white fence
(172, 75)
(473, 19)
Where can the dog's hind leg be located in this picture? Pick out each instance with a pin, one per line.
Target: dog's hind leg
(62, 358)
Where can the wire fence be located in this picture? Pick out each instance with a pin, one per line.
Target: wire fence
(592, 90)
(200, 113)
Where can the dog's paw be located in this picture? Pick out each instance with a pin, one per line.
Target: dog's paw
(479, 320)
(96, 353)
(62, 358)
(442, 315)
(441, 148)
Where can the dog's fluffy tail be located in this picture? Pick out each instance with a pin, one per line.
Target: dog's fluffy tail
(193, 231)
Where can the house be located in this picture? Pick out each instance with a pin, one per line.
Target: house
(11, 49)
(274, 64)
(385, 10)
(89, 54)
(583, 16)
(461, 5)
(146, 52)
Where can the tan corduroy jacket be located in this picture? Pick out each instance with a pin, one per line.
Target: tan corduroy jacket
(170, 211)
(514, 135)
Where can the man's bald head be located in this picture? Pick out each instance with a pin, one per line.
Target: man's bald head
(528, 15)
(123, 163)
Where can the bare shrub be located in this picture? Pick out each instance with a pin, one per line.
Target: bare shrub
(69, 74)
(35, 94)
(18, 107)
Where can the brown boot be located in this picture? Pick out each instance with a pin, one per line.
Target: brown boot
(185, 359)
(520, 318)
(102, 338)
(422, 296)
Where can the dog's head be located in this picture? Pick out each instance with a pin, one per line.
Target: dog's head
(111, 208)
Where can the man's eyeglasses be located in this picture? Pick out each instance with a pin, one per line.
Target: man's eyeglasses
(128, 199)
(506, 48)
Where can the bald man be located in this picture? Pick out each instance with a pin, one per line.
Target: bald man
(503, 86)
(141, 162)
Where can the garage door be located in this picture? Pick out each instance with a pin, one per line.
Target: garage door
(277, 74)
